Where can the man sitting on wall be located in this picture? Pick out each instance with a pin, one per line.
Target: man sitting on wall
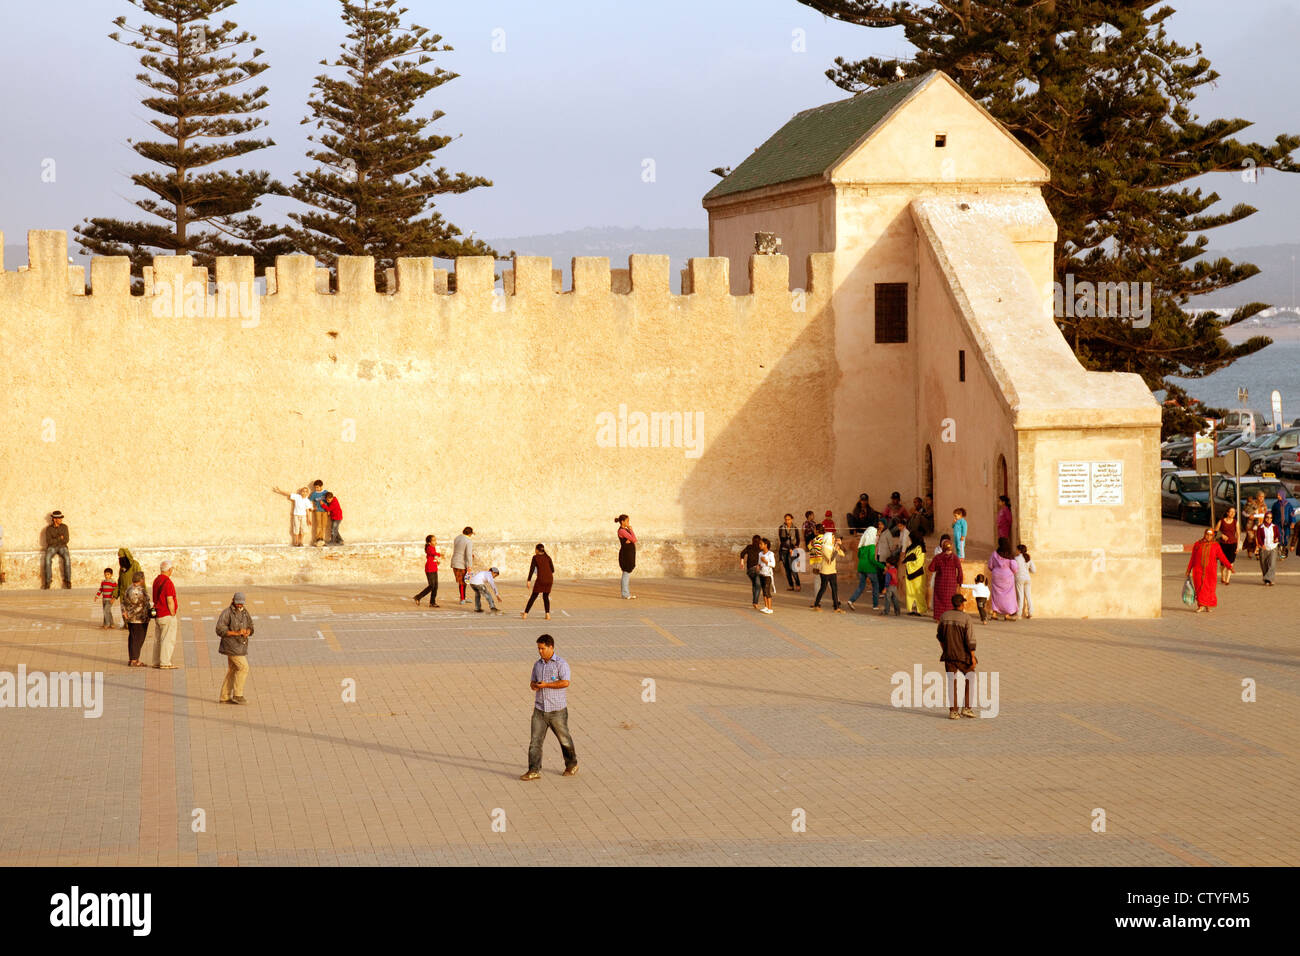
(56, 543)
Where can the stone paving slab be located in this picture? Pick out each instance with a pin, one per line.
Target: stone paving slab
(757, 723)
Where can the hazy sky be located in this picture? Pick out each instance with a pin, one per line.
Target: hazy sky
(562, 120)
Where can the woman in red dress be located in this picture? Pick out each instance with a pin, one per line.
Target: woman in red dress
(1203, 567)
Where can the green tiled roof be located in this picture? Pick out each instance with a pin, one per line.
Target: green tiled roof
(813, 140)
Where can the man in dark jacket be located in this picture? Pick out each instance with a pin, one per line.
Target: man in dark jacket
(235, 627)
(957, 651)
(56, 543)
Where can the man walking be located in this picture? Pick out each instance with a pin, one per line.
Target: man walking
(957, 651)
(462, 558)
(550, 709)
(235, 627)
(56, 543)
(485, 586)
(167, 624)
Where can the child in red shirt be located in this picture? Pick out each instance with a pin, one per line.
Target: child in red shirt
(431, 556)
(108, 594)
(336, 517)
(891, 587)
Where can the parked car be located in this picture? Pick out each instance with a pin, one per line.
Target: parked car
(1289, 465)
(1225, 491)
(1186, 495)
(1233, 440)
(1267, 451)
(1179, 450)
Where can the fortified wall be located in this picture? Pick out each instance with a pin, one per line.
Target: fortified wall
(162, 421)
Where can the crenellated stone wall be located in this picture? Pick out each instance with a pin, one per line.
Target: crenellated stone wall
(164, 419)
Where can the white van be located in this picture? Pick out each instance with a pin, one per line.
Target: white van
(1244, 419)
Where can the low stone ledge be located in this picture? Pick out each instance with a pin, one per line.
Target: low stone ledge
(383, 562)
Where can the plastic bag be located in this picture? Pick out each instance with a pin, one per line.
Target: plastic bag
(1189, 592)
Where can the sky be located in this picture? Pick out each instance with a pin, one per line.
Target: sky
(564, 117)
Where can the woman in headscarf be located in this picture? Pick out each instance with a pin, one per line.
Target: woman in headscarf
(1002, 581)
(1004, 517)
(914, 567)
(947, 577)
(626, 554)
(1201, 568)
(127, 566)
(868, 566)
(1227, 538)
(135, 612)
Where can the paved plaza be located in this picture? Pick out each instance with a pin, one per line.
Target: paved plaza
(770, 740)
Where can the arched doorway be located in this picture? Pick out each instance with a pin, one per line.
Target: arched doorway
(1003, 486)
(927, 480)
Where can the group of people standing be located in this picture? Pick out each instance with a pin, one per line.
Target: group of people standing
(1262, 532)
(140, 605)
(892, 558)
(483, 581)
(317, 507)
(541, 571)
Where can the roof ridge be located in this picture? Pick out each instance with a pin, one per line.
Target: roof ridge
(891, 87)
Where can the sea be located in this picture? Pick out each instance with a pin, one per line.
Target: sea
(1275, 367)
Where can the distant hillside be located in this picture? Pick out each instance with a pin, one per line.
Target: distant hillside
(1273, 284)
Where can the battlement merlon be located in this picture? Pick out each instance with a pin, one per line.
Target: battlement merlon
(296, 279)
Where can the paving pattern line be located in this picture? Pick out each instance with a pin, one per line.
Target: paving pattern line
(662, 632)
(1167, 715)
(1096, 730)
(807, 649)
(327, 635)
(836, 725)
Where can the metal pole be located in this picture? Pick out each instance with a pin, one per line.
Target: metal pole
(1236, 484)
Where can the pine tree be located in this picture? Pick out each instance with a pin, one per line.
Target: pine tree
(193, 67)
(373, 192)
(1098, 91)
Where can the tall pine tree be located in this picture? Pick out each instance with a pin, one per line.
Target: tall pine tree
(373, 192)
(192, 64)
(1101, 94)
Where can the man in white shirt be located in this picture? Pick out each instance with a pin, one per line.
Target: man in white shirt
(485, 586)
(302, 504)
(462, 558)
(1266, 539)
